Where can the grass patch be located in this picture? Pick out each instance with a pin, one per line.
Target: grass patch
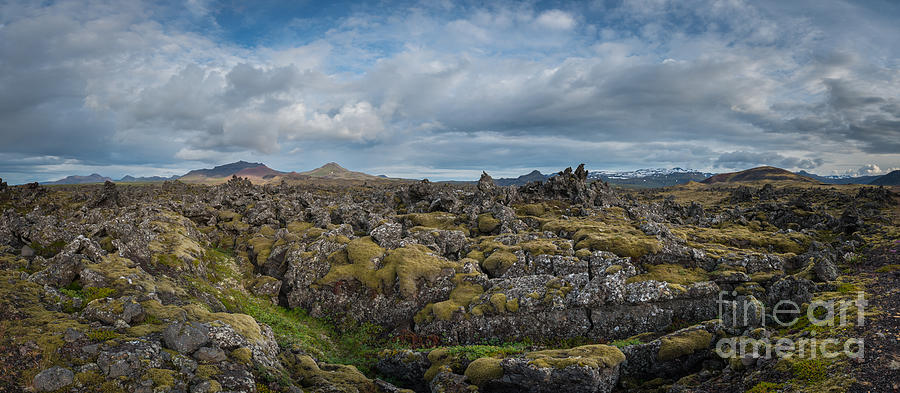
(626, 342)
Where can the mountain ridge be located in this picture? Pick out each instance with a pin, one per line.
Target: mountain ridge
(762, 173)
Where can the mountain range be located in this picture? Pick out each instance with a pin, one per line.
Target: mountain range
(259, 173)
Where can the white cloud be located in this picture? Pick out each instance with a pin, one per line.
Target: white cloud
(556, 19)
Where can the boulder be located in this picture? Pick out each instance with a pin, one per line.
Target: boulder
(210, 355)
(589, 368)
(53, 378)
(186, 337)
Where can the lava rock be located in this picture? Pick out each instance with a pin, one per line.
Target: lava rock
(186, 337)
(53, 378)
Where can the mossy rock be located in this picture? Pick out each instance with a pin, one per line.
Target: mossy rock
(463, 294)
(243, 355)
(161, 378)
(484, 369)
(541, 247)
(594, 356)
(441, 358)
(531, 209)
(487, 223)
(498, 300)
(764, 238)
(363, 250)
(435, 220)
(674, 274)
(402, 267)
(683, 343)
(512, 305)
(340, 377)
(498, 262)
(262, 248)
(207, 371)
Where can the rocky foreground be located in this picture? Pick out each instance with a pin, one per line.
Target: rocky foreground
(560, 286)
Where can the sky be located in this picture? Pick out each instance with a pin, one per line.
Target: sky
(446, 89)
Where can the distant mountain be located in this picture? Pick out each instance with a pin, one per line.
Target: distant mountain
(220, 171)
(649, 178)
(522, 180)
(74, 179)
(332, 170)
(757, 174)
(890, 179)
(834, 179)
(145, 179)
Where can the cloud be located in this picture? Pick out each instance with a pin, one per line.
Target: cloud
(872, 170)
(453, 86)
(744, 160)
(556, 19)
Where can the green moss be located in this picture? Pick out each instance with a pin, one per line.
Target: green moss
(482, 370)
(595, 356)
(207, 371)
(531, 209)
(102, 335)
(438, 358)
(363, 250)
(476, 255)
(613, 269)
(436, 220)
(340, 377)
(766, 387)
(299, 227)
(89, 378)
(94, 293)
(262, 248)
(761, 237)
(762, 276)
(463, 294)
(498, 300)
(888, 268)
(675, 274)
(684, 343)
(512, 305)
(809, 370)
(540, 247)
(161, 378)
(498, 262)
(243, 355)
(404, 266)
(623, 246)
(267, 231)
(487, 223)
(609, 231)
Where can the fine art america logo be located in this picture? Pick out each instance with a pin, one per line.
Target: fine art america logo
(822, 314)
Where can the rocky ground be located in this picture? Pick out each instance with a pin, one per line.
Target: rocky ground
(563, 285)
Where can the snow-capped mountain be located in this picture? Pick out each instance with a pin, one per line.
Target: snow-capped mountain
(649, 172)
